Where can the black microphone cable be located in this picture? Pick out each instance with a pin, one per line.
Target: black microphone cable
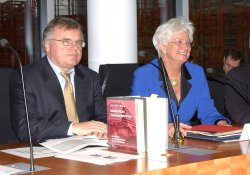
(177, 135)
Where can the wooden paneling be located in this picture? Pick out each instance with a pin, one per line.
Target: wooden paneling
(220, 26)
(12, 27)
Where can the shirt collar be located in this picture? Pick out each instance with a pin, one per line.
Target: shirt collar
(57, 70)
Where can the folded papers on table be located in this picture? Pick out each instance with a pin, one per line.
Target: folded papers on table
(215, 132)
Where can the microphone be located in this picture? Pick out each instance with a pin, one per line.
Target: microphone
(222, 78)
(210, 70)
(23, 166)
(106, 76)
(212, 74)
(4, 42)
(143, 53)
(177, 137)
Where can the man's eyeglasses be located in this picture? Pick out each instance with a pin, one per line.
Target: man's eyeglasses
(69, 42)
(181, 43)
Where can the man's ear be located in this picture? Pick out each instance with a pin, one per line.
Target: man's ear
(46, 46)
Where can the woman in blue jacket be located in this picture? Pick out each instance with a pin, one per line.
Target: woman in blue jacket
(188, 86)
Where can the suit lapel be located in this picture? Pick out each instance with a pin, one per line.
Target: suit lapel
(51, 81)
(81, 92)
(81, 88)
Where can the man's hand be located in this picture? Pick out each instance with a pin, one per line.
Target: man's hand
(183, 128)
(90, 128)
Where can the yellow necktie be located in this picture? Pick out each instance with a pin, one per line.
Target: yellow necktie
(69, 99)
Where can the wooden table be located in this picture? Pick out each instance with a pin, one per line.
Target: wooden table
(232, 158)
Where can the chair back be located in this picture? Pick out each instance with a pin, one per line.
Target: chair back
(116, 79)
(6, 132)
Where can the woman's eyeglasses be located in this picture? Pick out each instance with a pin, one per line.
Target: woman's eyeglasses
(181, 43)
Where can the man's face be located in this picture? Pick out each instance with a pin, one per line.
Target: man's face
(229, 64)
(64, 56)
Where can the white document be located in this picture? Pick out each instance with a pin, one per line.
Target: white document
(245, 147)
(71, 144)
(99, 156)
(156, 124)
(38, 152)
(5, 170)
(246, 132)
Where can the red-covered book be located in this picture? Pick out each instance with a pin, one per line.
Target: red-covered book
(125, 118)
(215, 130)
(137, 124)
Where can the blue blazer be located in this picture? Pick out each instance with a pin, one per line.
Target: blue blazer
(195, 96)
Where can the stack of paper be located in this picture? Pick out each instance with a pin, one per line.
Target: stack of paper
(38, 152)
(71, 144)
(99, 156)
(215, 132)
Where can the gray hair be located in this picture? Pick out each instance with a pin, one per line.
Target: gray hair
(60, 22)
(165, 31)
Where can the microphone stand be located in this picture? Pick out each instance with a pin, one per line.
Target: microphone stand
(32, 167)
(23, 166)
(177, 137)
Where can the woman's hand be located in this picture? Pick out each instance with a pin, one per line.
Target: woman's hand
(183, 128)
(223, 123)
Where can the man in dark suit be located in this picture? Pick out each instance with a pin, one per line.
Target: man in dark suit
(62, 42)
(217, 78)
(237, 94)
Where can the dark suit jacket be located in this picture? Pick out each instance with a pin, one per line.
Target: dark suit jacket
(216, 83)
(237, 94)
(47, 113)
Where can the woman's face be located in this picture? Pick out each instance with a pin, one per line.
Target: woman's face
(178, 49)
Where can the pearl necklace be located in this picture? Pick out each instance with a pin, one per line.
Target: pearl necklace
(175, 81)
